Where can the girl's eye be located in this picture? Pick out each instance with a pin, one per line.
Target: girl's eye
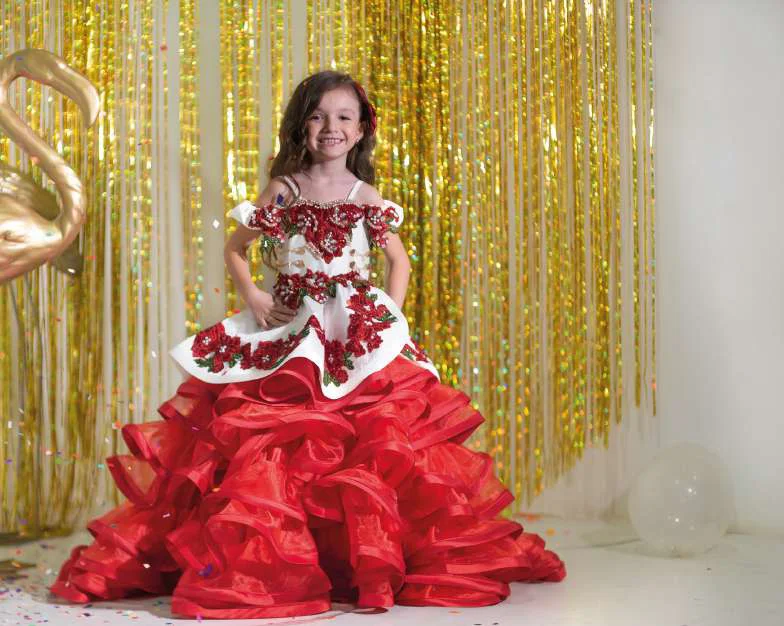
(317, 116)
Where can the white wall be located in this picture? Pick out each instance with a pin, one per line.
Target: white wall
(719, 71)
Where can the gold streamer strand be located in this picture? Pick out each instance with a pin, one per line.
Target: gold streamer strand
(639, 42)
(648, 373)
(193, 264)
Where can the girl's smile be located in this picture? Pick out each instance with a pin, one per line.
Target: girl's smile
(333, 127)
(330, 141)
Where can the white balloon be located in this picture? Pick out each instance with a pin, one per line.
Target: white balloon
(681, 504)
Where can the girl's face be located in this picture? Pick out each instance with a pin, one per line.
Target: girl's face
(333, 128)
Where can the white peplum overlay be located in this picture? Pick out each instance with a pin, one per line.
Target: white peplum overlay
(347, 327)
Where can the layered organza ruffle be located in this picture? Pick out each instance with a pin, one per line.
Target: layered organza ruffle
(267, 499)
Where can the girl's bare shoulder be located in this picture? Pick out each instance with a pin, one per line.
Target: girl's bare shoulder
(275, 191)
(368, 194)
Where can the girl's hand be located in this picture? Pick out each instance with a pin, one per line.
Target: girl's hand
(268, 312)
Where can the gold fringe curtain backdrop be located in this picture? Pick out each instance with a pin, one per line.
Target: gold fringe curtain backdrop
(82, 355)
(519, 138)
(187, 114)
(263, 57)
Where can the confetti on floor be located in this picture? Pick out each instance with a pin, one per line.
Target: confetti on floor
(733, 583)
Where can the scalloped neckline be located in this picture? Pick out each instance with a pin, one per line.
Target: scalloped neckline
(328, 203)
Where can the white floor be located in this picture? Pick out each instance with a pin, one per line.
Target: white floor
(611, 581)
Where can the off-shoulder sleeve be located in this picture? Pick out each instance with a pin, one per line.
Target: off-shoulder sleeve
(243, 213)
(380, 220)
(398, 219)
(267, 219)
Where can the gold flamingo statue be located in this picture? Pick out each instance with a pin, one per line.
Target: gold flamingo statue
(29, 233)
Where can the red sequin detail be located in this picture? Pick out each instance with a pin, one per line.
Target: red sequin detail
(208, 340)
(268, 219)
(414, 352)
(379, 221)
(335, 362)
(366, 322)
(327, 230)
(215, 350)
(292, 288)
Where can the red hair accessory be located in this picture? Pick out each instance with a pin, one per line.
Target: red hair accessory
(363, 97)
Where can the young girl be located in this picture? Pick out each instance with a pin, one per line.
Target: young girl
(312, 455)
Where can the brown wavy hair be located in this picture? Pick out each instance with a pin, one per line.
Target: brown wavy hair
(294, 156)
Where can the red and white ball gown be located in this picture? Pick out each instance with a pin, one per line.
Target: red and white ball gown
(317, 461)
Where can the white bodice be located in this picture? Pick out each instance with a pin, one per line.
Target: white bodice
(295, 253)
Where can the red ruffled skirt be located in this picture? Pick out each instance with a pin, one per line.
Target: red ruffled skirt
(267, 499)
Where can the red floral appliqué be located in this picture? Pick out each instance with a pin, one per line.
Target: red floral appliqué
(292, 288)
(365, 323)
(215, 350)
(414, 351)
(379, 221)
(327, 229)
(269, 220)
(336, 362)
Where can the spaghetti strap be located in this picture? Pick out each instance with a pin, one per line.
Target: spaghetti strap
(292, 185)
(353, 191)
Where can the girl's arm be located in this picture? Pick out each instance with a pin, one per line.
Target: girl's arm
(265, 309)
(398, 264)
(236, 258)
(398, 269)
